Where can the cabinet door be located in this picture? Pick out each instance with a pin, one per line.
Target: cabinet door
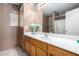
(41, 52)
(27, 47)
(52, 50)
(39, 44)
(21, 43)
(33, 50)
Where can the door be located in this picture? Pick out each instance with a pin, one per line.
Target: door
(60, 26)
(72, 22)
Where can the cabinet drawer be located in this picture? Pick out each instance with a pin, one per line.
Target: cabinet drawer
(26, 38)
(39, 44)
(58, 51)
(33, 41)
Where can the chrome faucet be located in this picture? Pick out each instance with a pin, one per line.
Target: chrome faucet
(46, 35)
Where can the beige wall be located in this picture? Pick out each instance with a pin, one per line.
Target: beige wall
(39, 15)
(30, 15)
(8, 34)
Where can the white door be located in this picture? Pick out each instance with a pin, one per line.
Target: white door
(60, 26)
(72, 22)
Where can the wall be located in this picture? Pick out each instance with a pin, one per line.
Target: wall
(31, 16)
(28, 16)
(39, 15)
(8, 34)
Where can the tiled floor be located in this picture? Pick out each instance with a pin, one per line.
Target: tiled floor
(13, 52)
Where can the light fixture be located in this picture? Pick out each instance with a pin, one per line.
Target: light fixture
(41, 5)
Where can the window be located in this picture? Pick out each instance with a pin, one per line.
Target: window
(13, 19)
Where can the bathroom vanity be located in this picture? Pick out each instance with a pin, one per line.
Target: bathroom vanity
(45, 44)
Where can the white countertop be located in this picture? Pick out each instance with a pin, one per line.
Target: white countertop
(67, 42)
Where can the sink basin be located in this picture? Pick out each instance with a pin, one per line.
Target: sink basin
(38, 34)
(41, 35)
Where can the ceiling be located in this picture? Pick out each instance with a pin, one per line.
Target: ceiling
(58, 7)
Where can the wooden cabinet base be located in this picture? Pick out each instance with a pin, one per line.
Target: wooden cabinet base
(37, 48)
(27, 47)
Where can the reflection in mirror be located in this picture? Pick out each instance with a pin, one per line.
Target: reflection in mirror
(63, 18)
(59, 18)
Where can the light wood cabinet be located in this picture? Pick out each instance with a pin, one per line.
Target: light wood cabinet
(52, 50)
(35, 47)
(38, 48)
(33, 50)
(41, 52)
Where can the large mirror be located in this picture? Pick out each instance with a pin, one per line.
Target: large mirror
(61, 18)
